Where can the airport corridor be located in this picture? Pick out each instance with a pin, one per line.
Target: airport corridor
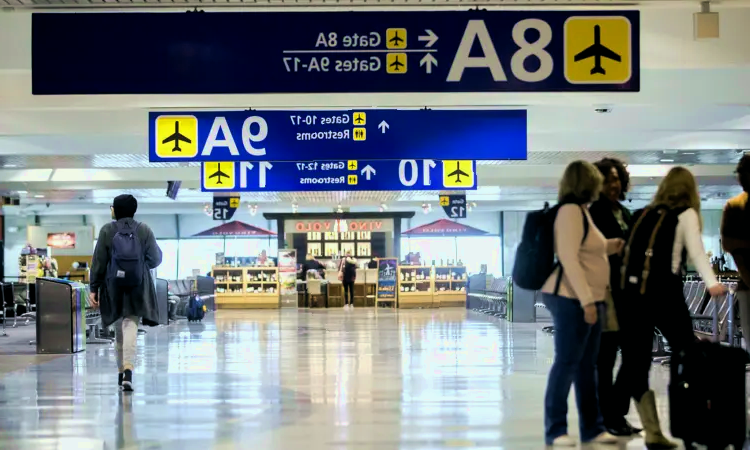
(302, 379)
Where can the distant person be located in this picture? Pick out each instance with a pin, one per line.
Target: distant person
(613, 220)
(312, 264)
(121, 281)
(347, 275)
(653, 266)
(735, 238)
(373, 264)
(574, 294)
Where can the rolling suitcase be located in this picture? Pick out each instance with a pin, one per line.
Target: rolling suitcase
(196, 309)
(707, 399)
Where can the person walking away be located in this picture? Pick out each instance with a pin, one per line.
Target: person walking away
(347, 275)
(735, 238)
(574, 294)
(654, 262)
(121, 281)
(613, 220)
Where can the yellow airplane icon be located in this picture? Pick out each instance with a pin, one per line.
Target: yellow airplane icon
(218, 175)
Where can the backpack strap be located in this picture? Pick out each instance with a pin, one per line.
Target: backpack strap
(626, 256)
(585, 235)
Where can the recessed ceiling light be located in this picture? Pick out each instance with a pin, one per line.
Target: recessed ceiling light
(38, 196)
(9, 166)
(23, 192)
(666, 160)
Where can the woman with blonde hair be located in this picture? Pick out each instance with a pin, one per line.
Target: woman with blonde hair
(574, 294)
(664, 235)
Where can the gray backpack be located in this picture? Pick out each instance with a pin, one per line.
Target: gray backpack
(127, 264)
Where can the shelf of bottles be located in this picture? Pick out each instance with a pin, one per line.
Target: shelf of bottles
(450, 285)
(246, 287)
(333, 244)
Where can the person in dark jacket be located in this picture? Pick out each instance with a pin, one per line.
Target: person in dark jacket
(613, 220)
(125, 307)
(312, 264)
(348, 274)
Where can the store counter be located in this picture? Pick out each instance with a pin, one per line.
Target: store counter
(246, 287)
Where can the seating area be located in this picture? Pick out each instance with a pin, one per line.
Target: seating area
(490, 299)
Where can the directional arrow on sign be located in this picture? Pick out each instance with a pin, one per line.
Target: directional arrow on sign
(429, 61)
(430, 38)
(383, 126)
(368, 171)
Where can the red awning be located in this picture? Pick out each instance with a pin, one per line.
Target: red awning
(236, 228)
(444, 227)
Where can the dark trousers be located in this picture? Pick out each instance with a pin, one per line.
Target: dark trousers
(576, 350)
(663, 307)
(348, 292)
(614, 398)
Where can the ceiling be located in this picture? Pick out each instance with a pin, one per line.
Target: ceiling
(72, 154)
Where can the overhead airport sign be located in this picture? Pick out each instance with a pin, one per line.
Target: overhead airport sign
(318, 52)
(224, 207)
(454, 205)
(337, 135)
(343, 175)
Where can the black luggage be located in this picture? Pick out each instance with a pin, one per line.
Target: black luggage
(707, 400)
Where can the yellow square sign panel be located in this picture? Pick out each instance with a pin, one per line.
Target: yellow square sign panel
(351, 164)
(359, 119)
(395, 63)
(234, 202)
(177, 136)
(359, 134)
(444, 200)
(351, 179)
(598, 50)
(395, 38)
(458, 174)
(218, 175)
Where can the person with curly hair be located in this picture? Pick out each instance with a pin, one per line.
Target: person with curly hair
(613, 220)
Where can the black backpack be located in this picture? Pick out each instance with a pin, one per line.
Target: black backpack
(647, 257)
(127, 263)
(535, 256)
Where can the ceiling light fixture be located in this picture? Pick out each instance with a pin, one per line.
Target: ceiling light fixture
(9, 166)
(664, 160)
(295, 207)
(253, 210)
(22, 192)
(208, 210)
(38, 196)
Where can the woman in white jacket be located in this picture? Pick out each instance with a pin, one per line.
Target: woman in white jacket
(653, 289)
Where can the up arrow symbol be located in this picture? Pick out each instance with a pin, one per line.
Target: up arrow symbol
(430, 38)
(383, 126)
(368, 171)
(429, 61)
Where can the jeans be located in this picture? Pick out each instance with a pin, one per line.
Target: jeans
(576, 351)
(348, 292)
(126, 334)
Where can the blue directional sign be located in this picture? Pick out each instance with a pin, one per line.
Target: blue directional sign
(343, 175)
(316, 52)
(332, 135)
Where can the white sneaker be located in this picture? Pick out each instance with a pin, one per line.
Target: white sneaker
(564, 441)
(606, 438)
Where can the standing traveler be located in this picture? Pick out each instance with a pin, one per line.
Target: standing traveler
(735, 238)
(654, 262)
(613, 220)
(121, 281)
(347, 275)
(574, 295)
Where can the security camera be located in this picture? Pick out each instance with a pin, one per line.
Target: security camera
(603, 110)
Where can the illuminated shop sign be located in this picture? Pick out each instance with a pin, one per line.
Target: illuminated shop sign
(338, 225)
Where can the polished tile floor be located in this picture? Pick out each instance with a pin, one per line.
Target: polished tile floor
(326, 379)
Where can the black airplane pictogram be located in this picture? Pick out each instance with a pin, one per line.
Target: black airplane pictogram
(352, 166)
(458, 173)
(359, 119)
(176, 138)
(218, 174)
(396, 39)
(397, 65)
(597, 51)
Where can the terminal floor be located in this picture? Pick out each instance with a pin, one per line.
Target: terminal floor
(321, 379)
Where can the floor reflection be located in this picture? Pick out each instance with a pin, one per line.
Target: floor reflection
(366, 378)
